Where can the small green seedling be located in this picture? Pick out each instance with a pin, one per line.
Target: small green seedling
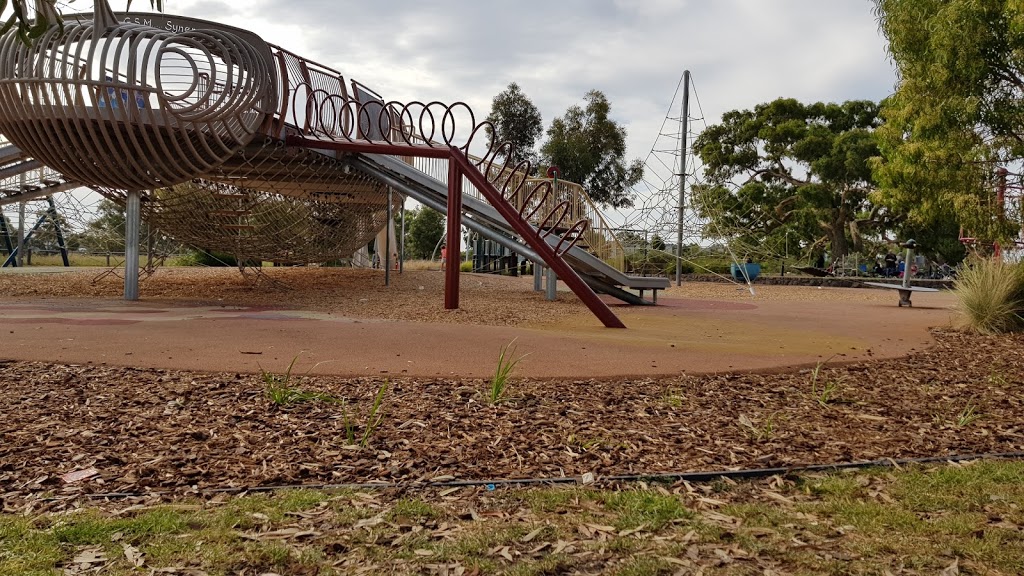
(506, 362)
(373, 419)
(759, 433)
(968, 415)
(279, 389)
(376, 415)
(824, 393)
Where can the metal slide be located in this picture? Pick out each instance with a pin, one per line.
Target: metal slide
(481, 217)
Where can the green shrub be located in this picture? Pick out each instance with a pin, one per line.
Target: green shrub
(990, 296)
(466, 267)
(654, 263)
(200, 257)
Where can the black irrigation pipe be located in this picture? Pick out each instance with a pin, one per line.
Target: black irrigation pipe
(661, 477)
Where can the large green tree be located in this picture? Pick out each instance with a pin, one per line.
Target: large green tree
(958, 113)
(515, 121)
(424, 227)
(105, 232)
(590, 148)
(787, 166)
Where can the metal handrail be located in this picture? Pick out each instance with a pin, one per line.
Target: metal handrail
(310, 89)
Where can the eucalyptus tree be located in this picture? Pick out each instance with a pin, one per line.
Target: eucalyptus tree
(515, 120)
(589, 148)
(958, 112)
(787, 167)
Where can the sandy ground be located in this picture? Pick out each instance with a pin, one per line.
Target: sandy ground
(346, 322)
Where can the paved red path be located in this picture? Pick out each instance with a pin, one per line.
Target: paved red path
(678, 336)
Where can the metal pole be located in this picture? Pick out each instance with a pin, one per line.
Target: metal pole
(20, 261)
(552, 285)
(1001, 204)
(401, 241)
(538, 274)
(387, 240)
(451, 270)
(150, 245)
(7, 234)
(906, 265)
(682, 175)
(786, 259)
(131, 245)
(12, 259)
(55, 221)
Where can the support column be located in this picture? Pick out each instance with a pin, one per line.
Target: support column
(401, 241)
(454, 240)
(908, 262)
(387, 239)
(538, 277)
(150, 247)
(55, 222)
(7, 235)
(682, 177)
(552, 286)
(19, 260)
(132, 218)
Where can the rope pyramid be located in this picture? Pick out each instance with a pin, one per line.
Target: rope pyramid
(650, 232)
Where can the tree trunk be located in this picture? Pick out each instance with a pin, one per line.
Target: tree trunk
(836, 232)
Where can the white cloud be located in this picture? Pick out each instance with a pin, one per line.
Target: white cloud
(740, 52)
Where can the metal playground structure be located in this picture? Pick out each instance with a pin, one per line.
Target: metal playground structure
(229, 143)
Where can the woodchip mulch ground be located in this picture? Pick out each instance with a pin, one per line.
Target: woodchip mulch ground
(356, 293)
(171, 433)
(360, 293)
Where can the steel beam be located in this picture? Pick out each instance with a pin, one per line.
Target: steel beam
(454, 241)
(132, 218)
(529, 234)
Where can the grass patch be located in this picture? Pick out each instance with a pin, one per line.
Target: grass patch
(549, 500)
(413, 509)
(990, 296)
(372, 421)
(643, 565)
(650, 509)
(279, 389)
(920, 518)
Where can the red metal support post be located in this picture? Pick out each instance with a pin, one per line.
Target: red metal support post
(529, 234)
(454, 240)
(460, 167)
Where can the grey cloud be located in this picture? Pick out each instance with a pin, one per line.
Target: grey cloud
(741, 52)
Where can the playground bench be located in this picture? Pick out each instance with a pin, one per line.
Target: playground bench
(654, 283)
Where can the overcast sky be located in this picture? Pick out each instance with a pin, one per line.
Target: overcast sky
(740, 52)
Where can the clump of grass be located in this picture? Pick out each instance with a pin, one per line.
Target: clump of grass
(373, 419)
(506, 363)
(375, 416)
(758, 432)
(990, 296)
(968, 414)
(824, 392)
(279, 389)
(673, 397)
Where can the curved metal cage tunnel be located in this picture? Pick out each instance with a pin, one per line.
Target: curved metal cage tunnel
(196, 115)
